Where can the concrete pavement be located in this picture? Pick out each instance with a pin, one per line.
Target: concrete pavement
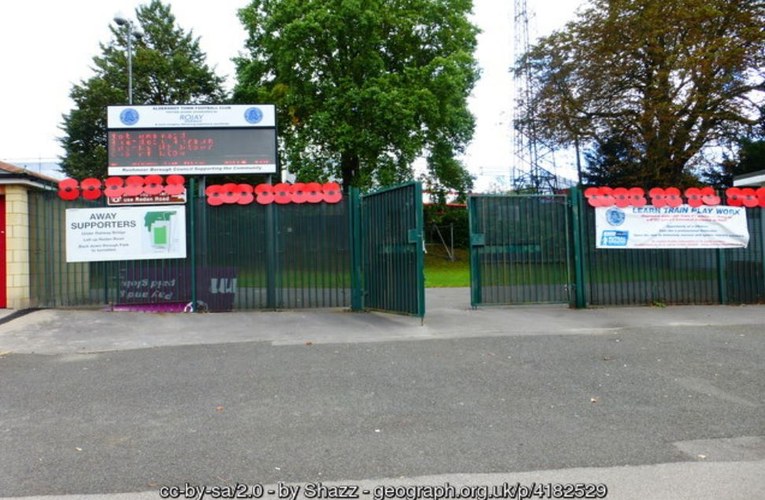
(448, 316)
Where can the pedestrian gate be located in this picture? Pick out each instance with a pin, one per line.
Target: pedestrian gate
(518, 249)
(392, 250)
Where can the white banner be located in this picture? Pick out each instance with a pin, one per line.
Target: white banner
(671, 227)
(125, 233)
(191, 116)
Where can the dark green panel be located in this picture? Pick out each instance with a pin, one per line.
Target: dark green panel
(744, 276)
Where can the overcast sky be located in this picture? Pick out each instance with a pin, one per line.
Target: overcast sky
(46, 46)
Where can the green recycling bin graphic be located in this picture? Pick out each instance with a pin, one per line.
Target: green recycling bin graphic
(160, 236)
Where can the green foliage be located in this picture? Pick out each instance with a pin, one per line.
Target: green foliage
(363, 88)
(617, 162)
(168, 68)
(666, 78)
(749, 157)
(444, 217)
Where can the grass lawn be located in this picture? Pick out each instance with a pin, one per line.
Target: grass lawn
(440, 272)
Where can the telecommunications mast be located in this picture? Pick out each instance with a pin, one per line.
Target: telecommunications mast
(528, 174)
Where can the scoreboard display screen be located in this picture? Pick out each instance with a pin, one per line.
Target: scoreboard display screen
(192, 151)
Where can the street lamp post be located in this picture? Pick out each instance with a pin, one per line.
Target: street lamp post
(132, 31)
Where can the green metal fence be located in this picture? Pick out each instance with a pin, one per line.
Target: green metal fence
(249, 257)
(245, 257)
(662, 276)
(742, 270)
(284, 256)
(528, 249)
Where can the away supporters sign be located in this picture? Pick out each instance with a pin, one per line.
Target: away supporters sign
(125, 233)
(678, 227)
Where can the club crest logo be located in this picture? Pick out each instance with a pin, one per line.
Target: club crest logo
(253, 115)
(129, 116)
(615, 217)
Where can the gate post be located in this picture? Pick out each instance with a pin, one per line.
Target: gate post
(578, 224)
(193, 238)
(354, 208)
(476, 241)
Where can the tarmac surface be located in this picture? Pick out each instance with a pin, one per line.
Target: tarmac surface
(665, 403)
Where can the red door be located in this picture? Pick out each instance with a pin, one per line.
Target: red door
(3, 264)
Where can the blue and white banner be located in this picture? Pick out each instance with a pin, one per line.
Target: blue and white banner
(671, 227)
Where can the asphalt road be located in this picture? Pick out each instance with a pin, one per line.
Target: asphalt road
(668, 407)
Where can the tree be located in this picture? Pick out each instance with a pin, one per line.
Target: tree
(746, 155)
(168, 68)
(364, 87)
(665, 77)
(614, 162)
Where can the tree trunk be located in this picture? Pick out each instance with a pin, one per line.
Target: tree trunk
(349, 164)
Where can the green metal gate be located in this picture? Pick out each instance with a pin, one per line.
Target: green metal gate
(391, 230)
(519, 249)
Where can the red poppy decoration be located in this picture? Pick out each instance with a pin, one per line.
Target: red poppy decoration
(174, 185)
(245, 194)
(114, 187)
(91, 188)
(230, 192)
(282, 193)
(621, 197)
(599, 196)
(733, 197)
(264, 194)
(761, 196)
(673, 197)
(709, 196)
(593, 196)
(69, 189)
(133, 185)
(606, 197)
(749, 197)
(694, 197)
(637, 197)
(313, 192)
(332, 192)
(214, 195)
(299, 194)
(152, 185)
(658, 197)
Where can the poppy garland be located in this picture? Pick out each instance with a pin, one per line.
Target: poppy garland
(116, 187)
(673, 197)
(281, 194)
